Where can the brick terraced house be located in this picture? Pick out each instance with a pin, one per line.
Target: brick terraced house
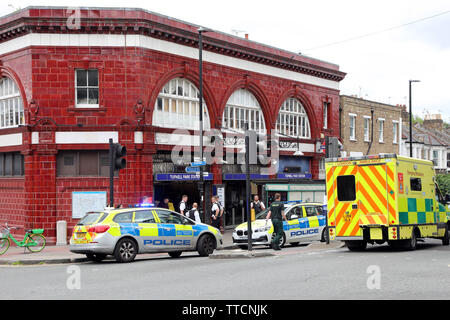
(69, 85)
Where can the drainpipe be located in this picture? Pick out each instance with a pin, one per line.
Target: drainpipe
(371, 135)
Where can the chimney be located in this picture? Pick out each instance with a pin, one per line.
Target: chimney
(433, 122)
(246, 36)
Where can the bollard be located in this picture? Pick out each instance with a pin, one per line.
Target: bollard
(61, 233)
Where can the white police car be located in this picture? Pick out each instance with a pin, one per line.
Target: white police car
(306, 222)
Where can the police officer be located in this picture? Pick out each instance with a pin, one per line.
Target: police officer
(216, 212)
(183, 205)
(276, 213)
(257, 205)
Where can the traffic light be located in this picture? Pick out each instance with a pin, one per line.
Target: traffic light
(118, 154)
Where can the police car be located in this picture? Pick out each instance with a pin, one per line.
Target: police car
(124, 233)
(306, 222)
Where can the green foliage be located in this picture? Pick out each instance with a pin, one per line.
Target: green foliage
(443, 181)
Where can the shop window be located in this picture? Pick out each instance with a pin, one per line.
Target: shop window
(346, 188)
(293, 121)
(11, 164)
(83, 163)
(86, 88)
(177, 106)
(11, 104)
(416, 184)
(242, 107)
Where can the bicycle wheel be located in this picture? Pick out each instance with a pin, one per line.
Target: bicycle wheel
(35, 242)
(4, 245)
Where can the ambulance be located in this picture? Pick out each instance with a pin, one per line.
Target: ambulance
(384, 198)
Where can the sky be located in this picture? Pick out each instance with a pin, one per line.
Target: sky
(378, 64)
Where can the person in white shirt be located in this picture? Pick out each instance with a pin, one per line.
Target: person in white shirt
(183, 204)
(194, 214)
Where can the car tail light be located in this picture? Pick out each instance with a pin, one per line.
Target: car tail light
(98, 229)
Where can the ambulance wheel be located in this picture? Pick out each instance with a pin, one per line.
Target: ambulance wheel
(126, 250)
(175, 254)
(411, 244)
(206, 245)
(356, 245)
(445, 239)
(96, 257)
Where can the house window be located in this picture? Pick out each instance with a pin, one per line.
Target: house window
(177, 106)
(11, 105)
(86, 88)
(11, 164)
(436, 157)
(243, 107)
(83, 163)
(352, 127)
(367, 129)
(395, 132)
(325, 114)
(292, 120)
(380, 130)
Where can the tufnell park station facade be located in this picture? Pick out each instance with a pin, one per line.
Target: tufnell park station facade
(132, 75)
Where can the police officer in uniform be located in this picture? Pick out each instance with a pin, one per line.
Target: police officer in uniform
(215, 212)
(276, 213)
(257, 205)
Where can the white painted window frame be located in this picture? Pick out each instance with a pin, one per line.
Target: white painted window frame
(11, 104)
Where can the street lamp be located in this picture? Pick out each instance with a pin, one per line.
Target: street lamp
(410, 119)
(201, 185)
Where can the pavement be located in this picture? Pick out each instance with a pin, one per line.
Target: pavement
(61, 254)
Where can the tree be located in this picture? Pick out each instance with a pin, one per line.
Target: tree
(443, 181)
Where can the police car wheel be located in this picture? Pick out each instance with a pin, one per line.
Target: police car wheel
(205, 245)
(97, 257)
(175, 254)
(282, 240)
(325, 235)
(125, 251)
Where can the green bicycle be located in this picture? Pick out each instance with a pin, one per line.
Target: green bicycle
(33, 240)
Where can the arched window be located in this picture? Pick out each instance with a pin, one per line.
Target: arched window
(243, 107)
(292, 120)
(177, 106)
(11, 104)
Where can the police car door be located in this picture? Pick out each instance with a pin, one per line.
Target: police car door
(313, 229)
(174, 232)
(148, 230)
(293, 231)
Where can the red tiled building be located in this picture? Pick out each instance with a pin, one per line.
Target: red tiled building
(69, 84)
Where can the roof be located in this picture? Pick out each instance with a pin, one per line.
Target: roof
(425, 136)
(43, 19)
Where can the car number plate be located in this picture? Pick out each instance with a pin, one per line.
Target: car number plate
(80, 235)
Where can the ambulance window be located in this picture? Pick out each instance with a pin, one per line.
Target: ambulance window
(144, 217)
(346, 188)
(416, 184)
(125, 217)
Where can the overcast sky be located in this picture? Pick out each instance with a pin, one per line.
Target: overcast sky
(378, 67)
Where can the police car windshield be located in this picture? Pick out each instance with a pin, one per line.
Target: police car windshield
(91, 218)
(263, 214)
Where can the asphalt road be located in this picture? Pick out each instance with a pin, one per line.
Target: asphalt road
(294, 273)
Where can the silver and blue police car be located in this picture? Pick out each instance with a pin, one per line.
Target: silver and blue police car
(124, 233)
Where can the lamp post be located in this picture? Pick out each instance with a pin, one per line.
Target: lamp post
(410, 119)
(201, 185)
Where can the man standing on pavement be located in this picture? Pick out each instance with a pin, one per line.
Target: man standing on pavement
(215, 212)
(257, 205)
(276, 213)
(183, 204)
